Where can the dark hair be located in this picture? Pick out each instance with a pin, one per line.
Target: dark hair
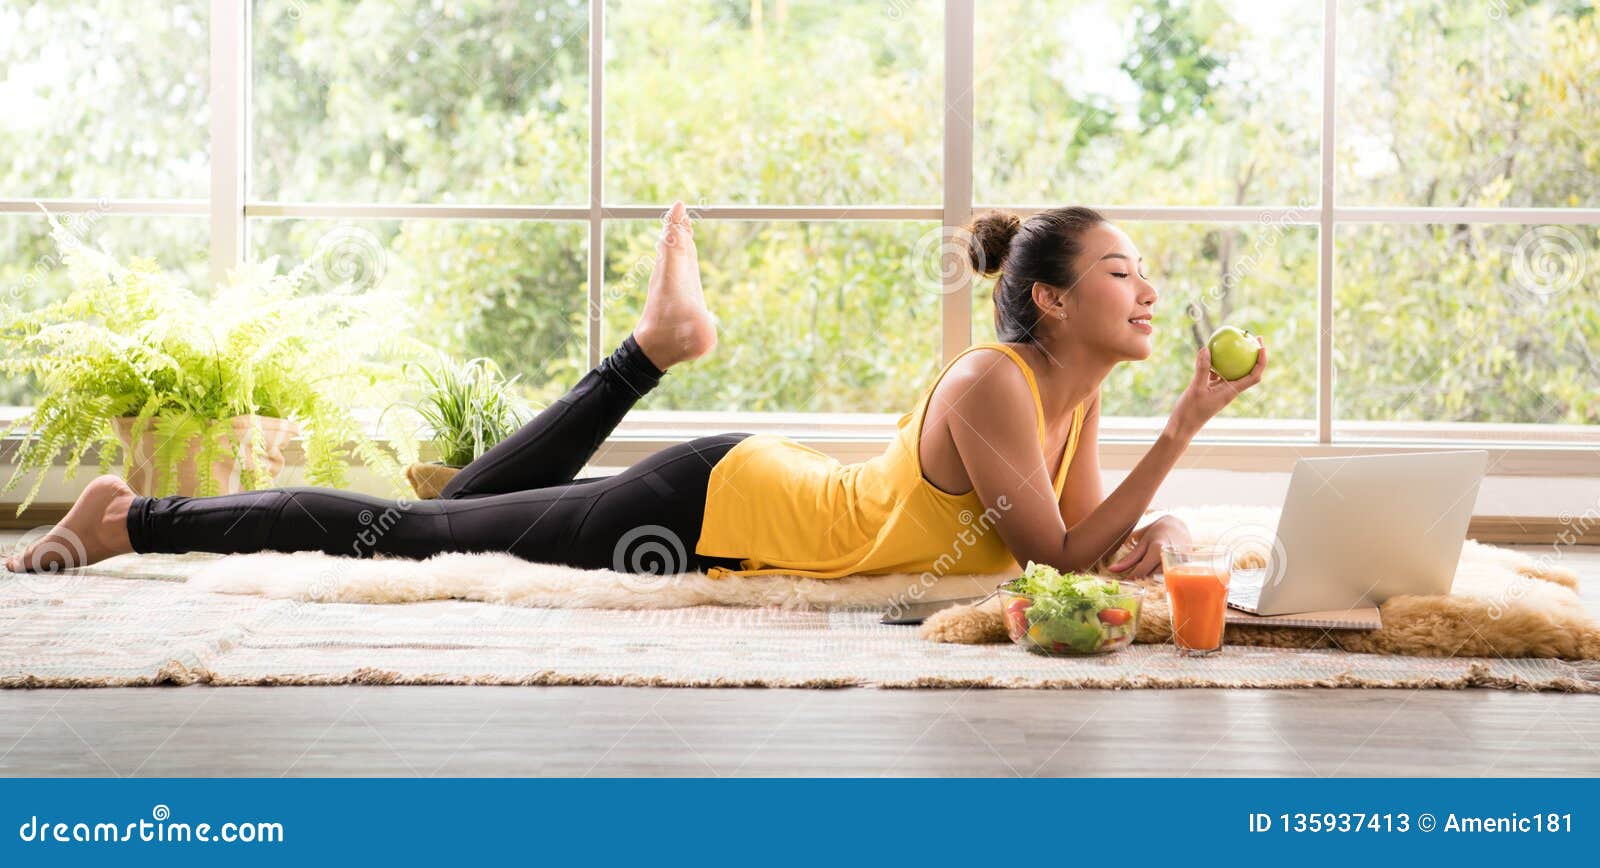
(1041, 248)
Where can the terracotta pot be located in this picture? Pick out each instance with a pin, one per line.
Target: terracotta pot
(429, 478)
(235, 441)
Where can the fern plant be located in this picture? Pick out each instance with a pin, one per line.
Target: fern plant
(129, 341)
(466, 407)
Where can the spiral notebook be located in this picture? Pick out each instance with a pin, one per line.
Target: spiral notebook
(1333, 619)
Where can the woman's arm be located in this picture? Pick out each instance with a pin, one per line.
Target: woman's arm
(1109, 523)
(1000, 450)
(1084, 489)
(1206, 395)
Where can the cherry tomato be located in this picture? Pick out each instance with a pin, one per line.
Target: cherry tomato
(1016, 615)
(1115, 617)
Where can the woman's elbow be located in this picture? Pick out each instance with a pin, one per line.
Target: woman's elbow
(1062, 557)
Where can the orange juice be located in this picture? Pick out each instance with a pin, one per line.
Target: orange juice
(1198, 593)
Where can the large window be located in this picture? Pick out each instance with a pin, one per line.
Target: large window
(477, 101)
(1402, 194)
(101, 103)
(1148, 103)
(1466, 115)
(804, 102)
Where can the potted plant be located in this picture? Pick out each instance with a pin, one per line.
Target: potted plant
(199, 395)
(465, 409)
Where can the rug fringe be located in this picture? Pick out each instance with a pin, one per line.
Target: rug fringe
(175, 673)
(1588, 670)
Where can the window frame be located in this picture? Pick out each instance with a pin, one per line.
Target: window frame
(1240, 444)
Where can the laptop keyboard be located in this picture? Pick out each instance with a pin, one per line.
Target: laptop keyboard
(1244, 588)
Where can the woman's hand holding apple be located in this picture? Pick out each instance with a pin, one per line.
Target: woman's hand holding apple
(1208, 393)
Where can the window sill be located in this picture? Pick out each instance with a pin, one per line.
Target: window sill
(1246, 445)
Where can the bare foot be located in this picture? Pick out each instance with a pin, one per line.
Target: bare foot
(96, 528)
(676, 326)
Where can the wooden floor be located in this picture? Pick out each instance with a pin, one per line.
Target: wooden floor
(610, 731)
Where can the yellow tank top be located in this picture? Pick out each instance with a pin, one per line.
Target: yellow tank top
(783, 508)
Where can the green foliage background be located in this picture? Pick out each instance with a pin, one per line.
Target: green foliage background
(1150, 102)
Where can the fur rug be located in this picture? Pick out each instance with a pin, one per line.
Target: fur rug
(1504, 603)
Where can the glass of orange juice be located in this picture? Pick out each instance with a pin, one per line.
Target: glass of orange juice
(1197, 589)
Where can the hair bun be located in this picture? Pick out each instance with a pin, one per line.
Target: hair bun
(991, 234)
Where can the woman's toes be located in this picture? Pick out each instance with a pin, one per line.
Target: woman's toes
(674, 235)
(60, 549)
(676, 228)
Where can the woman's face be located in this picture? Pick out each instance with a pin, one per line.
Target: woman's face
(1110, 307)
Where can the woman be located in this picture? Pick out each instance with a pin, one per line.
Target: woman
(966, 486)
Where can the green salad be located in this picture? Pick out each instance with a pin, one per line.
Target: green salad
(1069, 612)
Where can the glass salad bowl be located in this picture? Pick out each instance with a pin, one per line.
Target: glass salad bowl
(1069, 614)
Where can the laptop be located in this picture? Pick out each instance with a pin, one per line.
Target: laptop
(1356, 531)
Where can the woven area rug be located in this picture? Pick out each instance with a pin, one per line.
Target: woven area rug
(311, 619)
(99, 631)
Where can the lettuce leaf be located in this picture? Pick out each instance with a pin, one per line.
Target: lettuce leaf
(1041, 580)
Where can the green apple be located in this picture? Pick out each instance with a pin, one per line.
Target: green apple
(1233, 352)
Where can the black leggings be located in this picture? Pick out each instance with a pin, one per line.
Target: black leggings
(519, 497)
